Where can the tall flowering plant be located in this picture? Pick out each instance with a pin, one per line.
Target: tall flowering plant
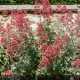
(18, 51)
(53, 50)
(59, 42)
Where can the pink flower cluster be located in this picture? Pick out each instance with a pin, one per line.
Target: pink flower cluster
(5, 12)
(46, 9)
(44, 62)
(76, 63)
(14, 46)
(61, 9)
(43, 47)
(41, 32)
(15, 32)
(50, 53)
(65, 19)
(8, 73)
(66, 37)
(58, 43)
(3, 41)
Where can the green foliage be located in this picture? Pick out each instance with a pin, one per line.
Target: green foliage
(4, 61)
(65, 1)
(32, 2)
(15, 2)
(28, 63)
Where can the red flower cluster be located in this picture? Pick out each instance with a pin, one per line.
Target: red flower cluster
(40, 28)
(43, 47)
(5, 12)
(2, 30)
(46, 9)
(10, 50)
(66, 37)
(15, 37)
(15, 44)
(41, 32)
(3, 41)
(13, 47)
(44, 62)
(7, 73)
(12, 36)
(58, 43)
(63, 19)
(67, 18)
(50, 54)
(61, 9)
(76, 63)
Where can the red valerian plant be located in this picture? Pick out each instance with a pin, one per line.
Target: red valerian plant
(60, 50)
(14, 36)
(51, 50)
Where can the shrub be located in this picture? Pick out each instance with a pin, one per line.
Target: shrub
(51, 51)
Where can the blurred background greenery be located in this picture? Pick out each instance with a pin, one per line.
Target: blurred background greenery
(31, 2)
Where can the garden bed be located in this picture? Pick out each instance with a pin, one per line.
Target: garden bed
(46, 42)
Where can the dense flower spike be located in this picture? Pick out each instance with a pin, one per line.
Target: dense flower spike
(10, 49)
(46, 9)
(44, 62)
(63, 9)
(15, 44)
(58, 43)
(76, 63)
(43, 47)
(41, 32)
(63, 20)
(60, 8)
(41, 27)
(3, 41)
(51, 52)
(66, 37)
(15, 37)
